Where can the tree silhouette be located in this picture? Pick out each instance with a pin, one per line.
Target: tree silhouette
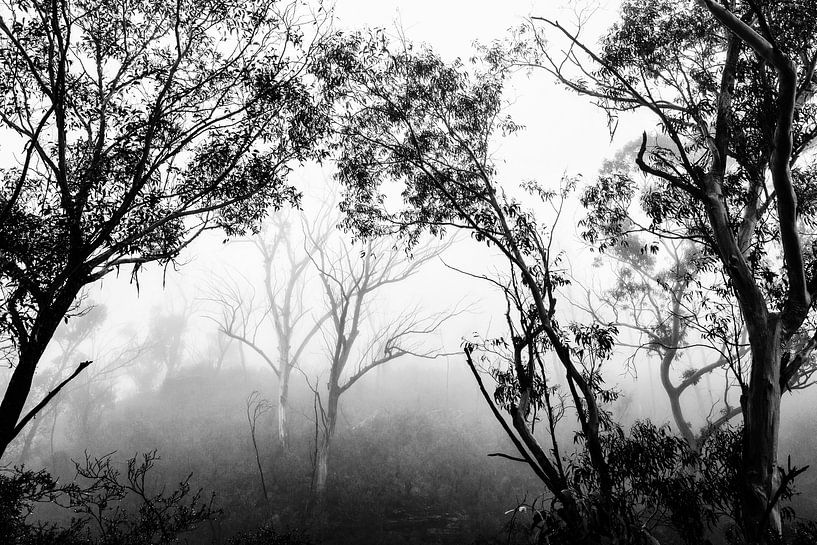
(731, 87)
(140, 125)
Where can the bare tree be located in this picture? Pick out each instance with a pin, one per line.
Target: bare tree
(257, 406)
(284, 315)
(356, 340)
(673, 313)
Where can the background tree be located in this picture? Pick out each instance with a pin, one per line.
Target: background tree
(140, 125)
(358, 338)
(284, 310)
(674, 314)
(732, 88)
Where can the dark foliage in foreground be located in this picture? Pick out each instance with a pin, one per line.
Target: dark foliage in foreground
(676, 493)
(107, 507)
(400, 478)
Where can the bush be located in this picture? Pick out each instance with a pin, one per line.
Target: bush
(105, 506)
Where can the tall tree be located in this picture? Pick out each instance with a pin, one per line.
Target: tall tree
(140, 125)
(428, 126)
(732, 88)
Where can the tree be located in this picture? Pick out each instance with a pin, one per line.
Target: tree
(353, 276)
(732, 87)
(283, 312)
(427, 126)
(673, 313)
(83, 398)
(141, 125)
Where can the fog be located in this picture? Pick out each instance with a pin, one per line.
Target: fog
(360, 305)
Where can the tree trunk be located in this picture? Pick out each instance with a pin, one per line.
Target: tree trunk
(32, 345)
(322, 450)
(761, 417)
(321, 468)
(29, 439)
(673, 392)
(17, 392)
(283, 401)
(681, 422)
(760, 400)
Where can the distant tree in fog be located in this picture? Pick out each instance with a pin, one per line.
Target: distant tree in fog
(165, 346)
(82, 402)
(360, 334)
(139, 126)
(284, 316)
(673, 313)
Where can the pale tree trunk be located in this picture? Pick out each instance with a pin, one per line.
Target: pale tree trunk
(321, 468)
(29, 438)
(283, 402)
(680, 421)
(674, 393)
(322, 450)
(760, 400)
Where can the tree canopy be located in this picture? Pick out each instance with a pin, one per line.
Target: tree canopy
(137, 125)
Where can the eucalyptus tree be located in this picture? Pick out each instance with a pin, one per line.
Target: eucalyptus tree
(137, 126)
(414, 125)
(731, 86)
(70, 339)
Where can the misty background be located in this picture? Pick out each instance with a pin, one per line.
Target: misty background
(226, 362)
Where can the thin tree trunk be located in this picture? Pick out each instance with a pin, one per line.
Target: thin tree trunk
(53, 430)
(673, 392)
(323, 450)
(283, 402)
(681, 422)
(321, 469)
(29, 439)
